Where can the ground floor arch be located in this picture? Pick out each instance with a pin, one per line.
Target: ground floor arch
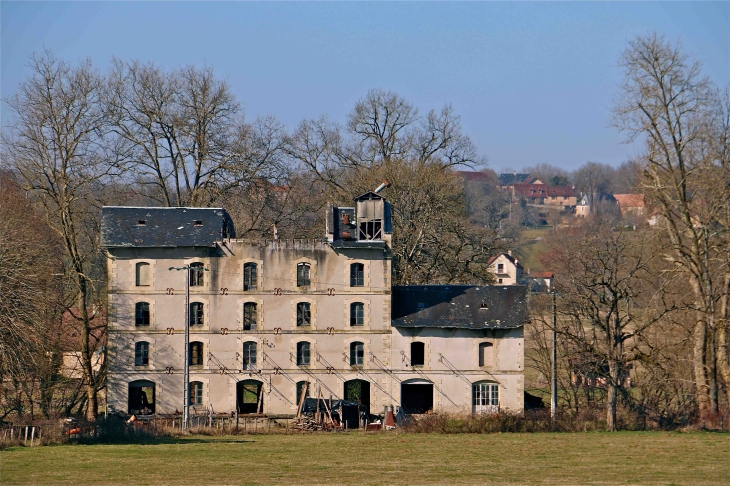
(250, 396)
(416, 396)
(141, 397)
(357, 391)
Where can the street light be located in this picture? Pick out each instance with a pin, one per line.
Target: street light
(186, 365)
(554, 366)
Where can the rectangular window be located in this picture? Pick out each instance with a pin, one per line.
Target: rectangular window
(249, 316)
(141, 354)
(196, 274)
(196, 313)
(196, 393)
(357, 354)
(357, 314)
(303, 354)
(196, 353)
(418, 354)
(357, 275)
(249, 355)
(250, 276)
(142, 314)
(304, 314)
(303, 275)
(500, 267)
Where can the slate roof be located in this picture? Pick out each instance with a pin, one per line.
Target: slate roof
(140, 227)
(471, 176)
(512, 179)
(460, 306)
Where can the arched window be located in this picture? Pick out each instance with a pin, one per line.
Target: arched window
(302, 388)
(141, 353)
(303, 275)
(143, 277)
(304, 314)
(357, 353)
(486, 354)
(303, 353)
(196, 313)
(485, 397)
(141, 397)
(195, 357)
(142, 314)
(418, 354)
(357, 275)
(250, 276)
(249, 316)
(249, 355)
(357, 314)
(196, 274)
(196, 393)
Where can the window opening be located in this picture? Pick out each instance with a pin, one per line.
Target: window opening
(196, 393)
(485, 397)
(141, 353)
(302, 387)
(142, 314)
(486, 354)
(249, 355)
(196, 313)
(196, 353)
(141, 397)
(143, 274)
(357, 275)
(250, 271)
(371, 230)
(357, 314)
(304, 314)
(249, 396)
(303, 275)
(357, 353)
(303, 353)
(249, 316)
(196, 274)
(197, 222)
(418, 354)
(141, 222)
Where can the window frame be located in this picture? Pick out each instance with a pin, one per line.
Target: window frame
(250, 276)
(199, 346)
(304, 274)
(357, 353)
(196, 270)
(304, 314)
(250, 316)
(197, 314)
(248, 358)
(142, 314)
(142, 353)
(304, 353)
(357, 274)
(195, 393)
(357, 314)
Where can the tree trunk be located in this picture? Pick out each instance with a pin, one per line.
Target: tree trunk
(87, 354)
(699, 337)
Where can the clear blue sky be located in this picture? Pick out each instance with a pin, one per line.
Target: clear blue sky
(533, 82)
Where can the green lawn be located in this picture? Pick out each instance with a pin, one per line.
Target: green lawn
(377, 458)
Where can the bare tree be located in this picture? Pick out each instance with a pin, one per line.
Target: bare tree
(666, 100)
(56, 145)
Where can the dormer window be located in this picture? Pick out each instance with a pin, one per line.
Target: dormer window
(197, 222)
(142, 222)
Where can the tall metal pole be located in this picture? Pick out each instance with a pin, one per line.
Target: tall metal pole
(186, 368)
(554, 371)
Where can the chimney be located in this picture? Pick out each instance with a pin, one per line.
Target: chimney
(382, 186)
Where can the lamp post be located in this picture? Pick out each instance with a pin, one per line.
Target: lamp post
(554, 365)
(186, 365)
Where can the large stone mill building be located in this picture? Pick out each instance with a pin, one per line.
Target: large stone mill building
(270, 320)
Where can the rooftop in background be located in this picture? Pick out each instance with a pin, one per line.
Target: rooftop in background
(629, 200)
(512, 179)
(543, 190)
(460, 306)
(471, 176)
(140, 227)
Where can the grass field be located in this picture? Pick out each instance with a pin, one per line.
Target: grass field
(375, 458)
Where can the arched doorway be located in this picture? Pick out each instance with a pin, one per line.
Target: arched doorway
(357, 391)
(141, 397)
(250, 396)
(416, 396)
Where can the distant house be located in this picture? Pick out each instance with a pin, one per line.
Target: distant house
(582, 209)
(630, 204)
(541, 281)
(543, 194)
(507, 269)
(506, 181)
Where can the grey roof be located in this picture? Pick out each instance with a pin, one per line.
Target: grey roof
(163, 227)
(460, 306)
(511, 179)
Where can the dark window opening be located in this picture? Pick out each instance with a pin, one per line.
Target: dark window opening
(142, 314)
(249, 356)
(197, 222)
(196, 393)
(357, 391)
(357, 314)
(141, 222)
(418, 354)
(304, 314)
(249, 316)
(141, 353)
(196, 313)
(249, 396)
(303, 354)
(196, 274)
(416, 398)
(250, 271)
(357, 353)
(141, 397)
(303, 275)
(357, 275)
(196, 354)
(371, 230)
